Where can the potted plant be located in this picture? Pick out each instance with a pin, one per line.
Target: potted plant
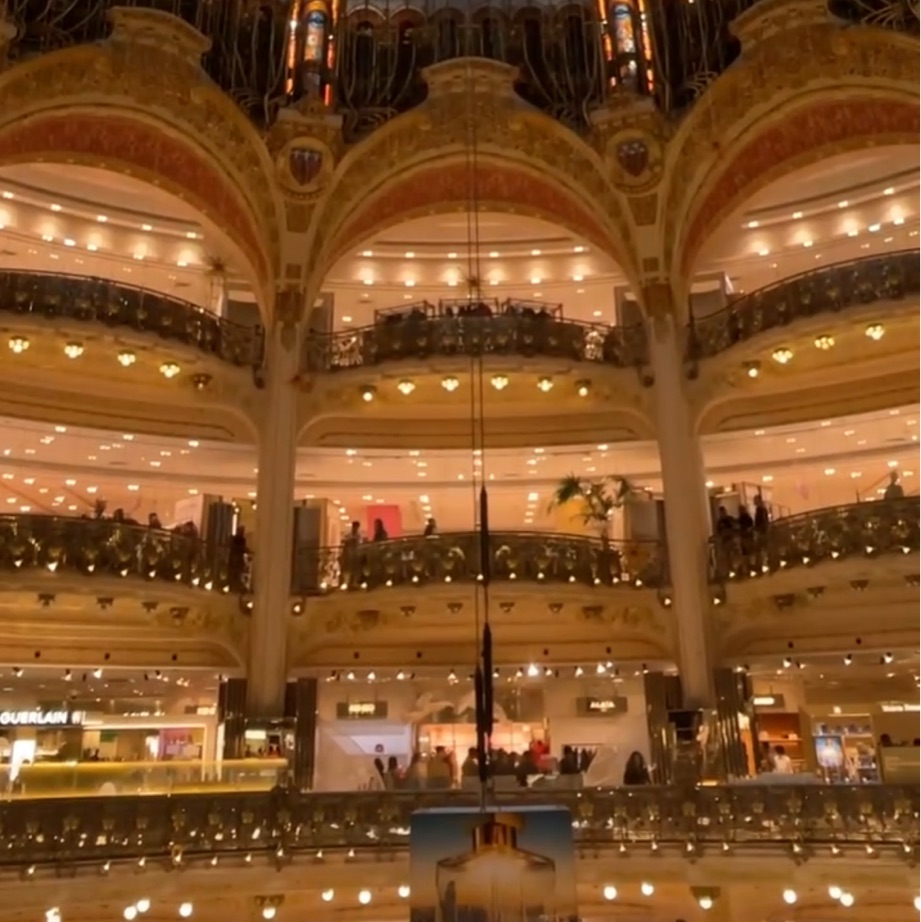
(597, 498)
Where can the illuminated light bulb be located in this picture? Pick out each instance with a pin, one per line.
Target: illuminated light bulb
(918, 903)
(450, 384)
(73, 350)
(647, 889)
(368, 392)
(583, 388)
(185, 910)
(130, 913)
(846, 899)
(824, 342)
(406, 387)
(53, 914)
(782, 355)
(705, 902)
(835, 892)
(875, 331)
(268, 912)
(499, 382)
(545, 384)
(18, 344)
(327, 895)
(609, 892)
(143, 904)
(403, 891)
(789, 897)
(364, 897)
(126, 358)
(169, 369)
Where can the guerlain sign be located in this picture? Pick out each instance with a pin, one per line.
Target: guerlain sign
(41, 718)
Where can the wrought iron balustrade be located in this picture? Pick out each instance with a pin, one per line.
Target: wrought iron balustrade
(866, 529)
(823, 291)
(103, 547)
(811, 818)
(898, 15)
(455, 557)
(418, 337)
(85, 299)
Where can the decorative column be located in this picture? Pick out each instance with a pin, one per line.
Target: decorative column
(687, 517)
(267, 667)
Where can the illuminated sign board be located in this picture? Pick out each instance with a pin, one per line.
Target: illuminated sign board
(602, 706)
(41, 718)
(361, 710)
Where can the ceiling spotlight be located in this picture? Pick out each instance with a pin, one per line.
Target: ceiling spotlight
(583, 387)
(364, 897)
(368, 392)
(130, 913)
(73, 350)
(403, 891)
(450, 384)
(848, 659)
(875, 331)
(406, 387)
(169, 369)
(647, 889)
(846, 899)
(835, 892)
(789, 897)
(609, 892)
(499, 382)
(200, 381)
(782, 355)
(18, 344)
(824, 342)
(887, 658)
(752, 369)
(545, 384)
(126, 358)
(185, 910)
(142, 904)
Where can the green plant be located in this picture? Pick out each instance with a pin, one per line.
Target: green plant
(598, 498)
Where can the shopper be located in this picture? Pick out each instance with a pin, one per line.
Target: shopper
(636, 771)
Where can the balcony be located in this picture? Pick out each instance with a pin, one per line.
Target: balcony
(534, 557)
(51, 298)
(509, 328)
(194, 829)
(830, 290)
(863, 530)
(104, 548)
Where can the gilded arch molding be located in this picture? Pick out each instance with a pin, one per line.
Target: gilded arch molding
(135, 109)
(416, 164)
(792, 99)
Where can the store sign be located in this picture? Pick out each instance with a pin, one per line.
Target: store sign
(896, 707)
(768, 701)
(41, 718)
(361, 710)
(601, 707)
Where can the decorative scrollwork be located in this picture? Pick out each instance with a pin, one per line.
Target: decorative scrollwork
(860, 529)
(455, 557)
(892, 277)
(717, 817)
(512, 328)
(104, 547)
(92, 300)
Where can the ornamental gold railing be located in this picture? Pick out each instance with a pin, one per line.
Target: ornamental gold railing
(534, 557)
(800, 821)
(828, 290)
(863, 530)
(419, 335)
(90, 300)
(105, 547)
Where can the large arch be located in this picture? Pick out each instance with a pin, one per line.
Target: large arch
(421, 162)
(791, 99)
(128, 106)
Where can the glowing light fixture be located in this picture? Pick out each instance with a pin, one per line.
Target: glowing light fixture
(18, 344)
(824, 342)
(126, 358)
(406, 387)
(368, 392)
(185, 910)
(789, 896)
(752, 369)
(169, 369)
(846, 899)
(499, 382)
(545, 384)
(875, 331)
(450, 384)
(609, 892)
(647, 889)
(403, 891)
(782, 355)
(364, 897)
(583, 388)
(73, 350)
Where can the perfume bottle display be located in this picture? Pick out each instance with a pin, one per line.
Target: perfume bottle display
(496, 880)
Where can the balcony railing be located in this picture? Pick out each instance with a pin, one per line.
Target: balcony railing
(692, 821)
(103, 547)
(455, 558)
(825, 291)
(93, 300)
(423, 333)
(863, 530)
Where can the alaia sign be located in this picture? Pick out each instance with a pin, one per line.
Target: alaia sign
(41, 718)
